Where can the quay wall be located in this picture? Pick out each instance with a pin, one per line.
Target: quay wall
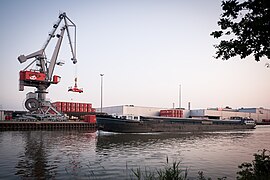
(42, 125)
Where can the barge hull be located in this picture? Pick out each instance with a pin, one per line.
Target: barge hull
(130, 126)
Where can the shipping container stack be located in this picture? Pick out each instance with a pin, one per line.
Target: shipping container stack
(172, 113)
(66, 107)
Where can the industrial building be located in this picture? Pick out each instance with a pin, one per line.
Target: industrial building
(131, 110)
(260, 115)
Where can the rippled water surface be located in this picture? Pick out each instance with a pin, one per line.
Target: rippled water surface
(103, 155)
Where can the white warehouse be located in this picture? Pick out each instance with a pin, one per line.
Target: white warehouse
(131, 110)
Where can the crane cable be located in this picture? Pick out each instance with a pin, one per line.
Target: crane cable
(75, 74)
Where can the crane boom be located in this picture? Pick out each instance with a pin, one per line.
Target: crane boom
(55, 54)
(40, 54)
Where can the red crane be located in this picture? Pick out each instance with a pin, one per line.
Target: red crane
(42, 76)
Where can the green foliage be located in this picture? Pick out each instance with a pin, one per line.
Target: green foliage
(246, 27)
(172, 172)
(147, 175)
(259, 169)
(169, 172)
(202, 177)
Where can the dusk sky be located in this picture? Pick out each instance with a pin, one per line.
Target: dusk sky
(145, 48)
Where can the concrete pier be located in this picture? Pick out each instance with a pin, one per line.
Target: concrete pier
(45, 125)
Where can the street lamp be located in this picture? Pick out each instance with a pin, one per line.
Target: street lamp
(180, 98)
(101, 91)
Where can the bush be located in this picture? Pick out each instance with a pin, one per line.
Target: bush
(259, 169)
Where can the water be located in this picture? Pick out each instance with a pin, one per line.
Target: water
(103, 155)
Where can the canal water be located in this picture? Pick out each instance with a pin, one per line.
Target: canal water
(103, 155)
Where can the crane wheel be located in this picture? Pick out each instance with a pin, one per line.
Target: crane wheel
(31, 104)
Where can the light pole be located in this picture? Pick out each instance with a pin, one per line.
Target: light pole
(101, 91)
(180, 99)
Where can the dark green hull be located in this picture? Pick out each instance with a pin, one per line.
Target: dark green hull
(165, 124)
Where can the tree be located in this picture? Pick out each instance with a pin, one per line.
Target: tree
(245, 27)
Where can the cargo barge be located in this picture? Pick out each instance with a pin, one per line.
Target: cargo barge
(148, 124)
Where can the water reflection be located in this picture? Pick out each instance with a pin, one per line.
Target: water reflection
(48, 154)
(33, 162)
(88, 155)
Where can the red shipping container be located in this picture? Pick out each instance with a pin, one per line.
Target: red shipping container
(63, 104)
(93, 110)
(90, 118)
(57, 104)
(89, 109)
(72, 109)
(81, 105)
(89, 105)
(64, 109)
(58, 109)
(172, 113)
(72, 105)
(68, 104)
(77, 107)
(68, 109)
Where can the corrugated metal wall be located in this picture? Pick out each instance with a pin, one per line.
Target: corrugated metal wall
(138, 110)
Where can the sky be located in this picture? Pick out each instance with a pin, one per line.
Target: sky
(146, 49)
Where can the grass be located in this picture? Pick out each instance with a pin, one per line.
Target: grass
(169, 172)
